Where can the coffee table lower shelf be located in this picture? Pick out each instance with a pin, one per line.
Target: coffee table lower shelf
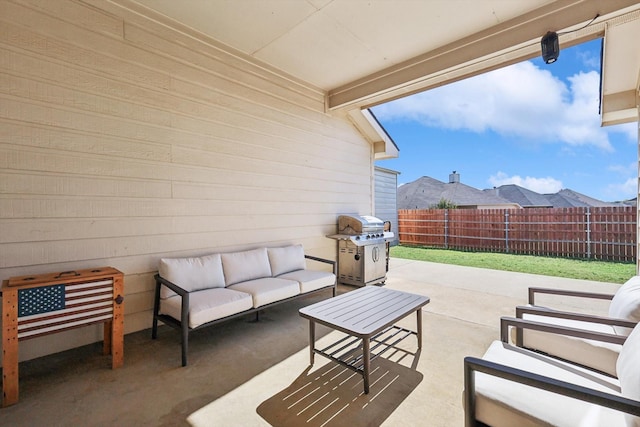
(348, 351)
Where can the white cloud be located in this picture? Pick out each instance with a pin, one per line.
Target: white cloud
(630, 130)
(623, 191)
(628, 169)
(627, 189)
(521, 100)
(589, 59)
(539, 185)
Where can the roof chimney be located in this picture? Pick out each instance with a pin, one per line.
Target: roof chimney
(454, 177)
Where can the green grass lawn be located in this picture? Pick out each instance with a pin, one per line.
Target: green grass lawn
(601, 271)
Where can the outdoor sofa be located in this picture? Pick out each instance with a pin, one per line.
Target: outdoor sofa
(623, 315)
(194, 293)
(513, 386)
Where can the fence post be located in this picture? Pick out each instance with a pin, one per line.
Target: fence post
(506, 230)
(588, 215)
(446, 228)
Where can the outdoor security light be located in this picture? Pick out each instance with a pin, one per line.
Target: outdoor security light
(550, 47)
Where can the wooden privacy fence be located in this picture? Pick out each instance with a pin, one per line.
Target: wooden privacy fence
(585, 233)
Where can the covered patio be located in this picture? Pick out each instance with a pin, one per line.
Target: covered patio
(136, 130)
(251, 374)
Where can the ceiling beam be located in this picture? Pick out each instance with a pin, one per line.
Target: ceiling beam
(524, 31)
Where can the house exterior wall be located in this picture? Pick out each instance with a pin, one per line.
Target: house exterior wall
(386, 198)
(124, 140)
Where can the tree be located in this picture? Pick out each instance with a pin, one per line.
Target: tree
(444, 204)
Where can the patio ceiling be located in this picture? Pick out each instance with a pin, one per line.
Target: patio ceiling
(331, 43)
(365, 52)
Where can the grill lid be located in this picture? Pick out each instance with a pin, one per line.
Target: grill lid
(356, 224)
(361, 230)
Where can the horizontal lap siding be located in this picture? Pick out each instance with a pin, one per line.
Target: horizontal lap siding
(123, 140)
(386, 205)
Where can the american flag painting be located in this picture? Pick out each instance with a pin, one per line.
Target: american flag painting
(52, 308)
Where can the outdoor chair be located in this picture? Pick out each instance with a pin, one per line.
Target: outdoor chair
(623, 315)
(513, 386)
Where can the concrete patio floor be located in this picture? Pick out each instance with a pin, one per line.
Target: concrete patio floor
(243, 373)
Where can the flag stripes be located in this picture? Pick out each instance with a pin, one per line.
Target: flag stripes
(84, 303)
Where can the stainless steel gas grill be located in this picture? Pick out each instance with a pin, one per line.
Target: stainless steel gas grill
(361, 250)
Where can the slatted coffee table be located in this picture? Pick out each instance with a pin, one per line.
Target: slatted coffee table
(366, 314)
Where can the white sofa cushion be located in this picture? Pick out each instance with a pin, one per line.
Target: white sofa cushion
(267, 290)
(208, 305)
(502, 403)
(286, 259)
(629, 371)
(626, 304)
(245, 265)
(310, 280)
(191, 274)
(595, 354)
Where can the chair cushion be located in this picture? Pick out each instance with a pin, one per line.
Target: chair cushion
(626, 304)
(629, 371)
(191, 274)
(310, 280)
(502, 403)
(286, 259)
(208, 305)
(595, 354)
(246, 265)
(267, 290)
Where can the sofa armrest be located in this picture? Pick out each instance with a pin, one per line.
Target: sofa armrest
(542, 311)
(473, 364)
(160, 281)
(566, 292)
(326, 261)
(182, 293)
(505, 322)
(184, 296)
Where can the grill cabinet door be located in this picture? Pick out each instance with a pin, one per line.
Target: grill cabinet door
(375, 267)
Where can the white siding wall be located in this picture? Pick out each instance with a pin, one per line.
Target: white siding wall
(386, 198)
(123, 141)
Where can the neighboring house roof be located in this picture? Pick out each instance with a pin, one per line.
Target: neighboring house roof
(568, 199)
(426, 192)
(522, 196)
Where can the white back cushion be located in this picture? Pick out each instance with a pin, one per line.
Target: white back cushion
(628, 368)
(192, 274)
(286, 259)
(246, 265)
(626, 303)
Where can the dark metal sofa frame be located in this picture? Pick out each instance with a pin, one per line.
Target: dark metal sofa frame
(183, 323)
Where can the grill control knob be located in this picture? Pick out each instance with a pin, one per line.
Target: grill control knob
(357, 237)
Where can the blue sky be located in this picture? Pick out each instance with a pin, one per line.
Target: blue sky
(531, 124)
